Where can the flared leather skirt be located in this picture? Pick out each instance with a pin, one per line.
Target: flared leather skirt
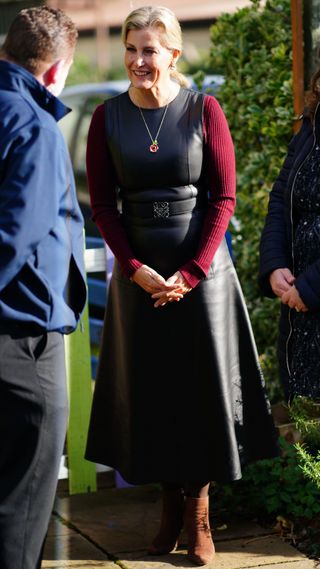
(179, 394)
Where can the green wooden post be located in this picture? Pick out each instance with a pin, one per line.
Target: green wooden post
(82, 473)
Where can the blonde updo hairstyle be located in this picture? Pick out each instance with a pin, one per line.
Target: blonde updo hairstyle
(158, 17)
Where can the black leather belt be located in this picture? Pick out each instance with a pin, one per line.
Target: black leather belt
(21, 330)
(158, 209)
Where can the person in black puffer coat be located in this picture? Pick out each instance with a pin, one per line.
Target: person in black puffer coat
(290, 255)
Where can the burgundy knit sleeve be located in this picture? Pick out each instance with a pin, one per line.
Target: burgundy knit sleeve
(220, 175)
(102, 185)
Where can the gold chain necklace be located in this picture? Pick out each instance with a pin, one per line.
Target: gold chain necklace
(154, 146)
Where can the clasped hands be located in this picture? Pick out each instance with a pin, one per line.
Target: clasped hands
(160, 289)
(282, 284)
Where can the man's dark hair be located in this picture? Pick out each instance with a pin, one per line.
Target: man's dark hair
(39, 35)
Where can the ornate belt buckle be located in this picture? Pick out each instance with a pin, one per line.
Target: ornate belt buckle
(161, 209)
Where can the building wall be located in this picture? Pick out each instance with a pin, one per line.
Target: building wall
(89, 14)
(99, 23)
(109, 51)
(102, 19)
(10, 9)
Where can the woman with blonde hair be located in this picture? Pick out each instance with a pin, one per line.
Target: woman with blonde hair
(179, 397)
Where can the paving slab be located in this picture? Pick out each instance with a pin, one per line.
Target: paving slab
(57, 527)
(182, 563)
(111, 529)
(235, 529)
(78, 564)
(66, 547)
(118, 520)
(127, 520)
(231, 554)
(299, 564)
(72, 546)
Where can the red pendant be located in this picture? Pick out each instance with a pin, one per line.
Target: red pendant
(154, 148)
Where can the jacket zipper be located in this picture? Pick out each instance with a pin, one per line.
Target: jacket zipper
(292, 237)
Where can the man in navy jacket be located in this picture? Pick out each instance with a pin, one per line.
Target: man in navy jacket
(42, 285)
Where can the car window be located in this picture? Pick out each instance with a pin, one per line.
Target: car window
(68, 123)
(75, 128)
(78, 141)
(75, 125)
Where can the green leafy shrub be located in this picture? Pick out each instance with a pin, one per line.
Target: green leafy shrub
(273, 486)
(83, 71)
(305, 413)
(252, 49)
(309, 463)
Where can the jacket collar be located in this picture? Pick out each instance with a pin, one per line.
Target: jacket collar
(16, 78)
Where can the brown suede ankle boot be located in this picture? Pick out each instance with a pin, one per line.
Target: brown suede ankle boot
(196, 522)
(171, 523)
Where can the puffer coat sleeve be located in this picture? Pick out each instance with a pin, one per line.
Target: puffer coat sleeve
(275, 243)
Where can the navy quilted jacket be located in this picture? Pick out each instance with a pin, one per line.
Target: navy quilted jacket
(276, 239)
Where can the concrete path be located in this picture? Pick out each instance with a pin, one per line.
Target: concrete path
(111, 528)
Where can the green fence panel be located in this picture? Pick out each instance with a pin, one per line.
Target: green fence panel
(82, 473)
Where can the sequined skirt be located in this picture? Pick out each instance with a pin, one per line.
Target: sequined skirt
(304, 366)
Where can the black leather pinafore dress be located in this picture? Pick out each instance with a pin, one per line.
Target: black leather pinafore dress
(179, 394)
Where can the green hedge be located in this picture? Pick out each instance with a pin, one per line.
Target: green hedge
(275, 487)
(252, 48)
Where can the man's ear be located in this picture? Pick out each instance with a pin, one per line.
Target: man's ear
(50, 76)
